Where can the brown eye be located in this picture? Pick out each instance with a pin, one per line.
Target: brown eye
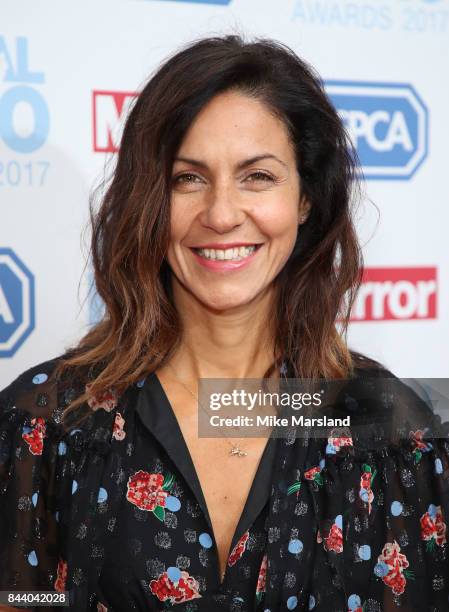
(261, 176)
(186, 174)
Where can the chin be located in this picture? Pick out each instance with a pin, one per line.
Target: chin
(225, 303)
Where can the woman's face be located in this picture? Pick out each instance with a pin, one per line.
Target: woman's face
(222, 196)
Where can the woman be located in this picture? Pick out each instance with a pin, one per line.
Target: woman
(224, 247)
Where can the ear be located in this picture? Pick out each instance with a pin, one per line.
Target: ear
(304, 210)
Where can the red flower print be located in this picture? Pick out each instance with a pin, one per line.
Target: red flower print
(238, 549)
(145, 490)
(433, 527)
(419, 444)
(365, 480)
(334, 540)
(309, 474)
(35, 438)
(396, 580)
(184, 589)
(261, 580)
(61, 576)
(417, 438)
(119, 433)
(396, 563)
(340, 441)
(106, 400)
(314, 473)
(365, 492)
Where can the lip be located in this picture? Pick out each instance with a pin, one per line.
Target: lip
(223, 245)
(223, 265)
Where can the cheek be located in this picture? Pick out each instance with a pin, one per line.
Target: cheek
(179, 222)
(176, 237)
(278, 221)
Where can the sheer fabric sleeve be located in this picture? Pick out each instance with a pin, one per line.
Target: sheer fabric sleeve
(359, 521)
(383, 507)
(31, 551)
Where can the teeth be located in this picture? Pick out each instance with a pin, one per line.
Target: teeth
(234, 254)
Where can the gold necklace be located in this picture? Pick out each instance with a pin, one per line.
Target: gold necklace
(235, 451)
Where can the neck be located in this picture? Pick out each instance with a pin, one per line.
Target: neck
(232, 343)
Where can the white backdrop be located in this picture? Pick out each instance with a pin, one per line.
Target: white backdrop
(385, 65)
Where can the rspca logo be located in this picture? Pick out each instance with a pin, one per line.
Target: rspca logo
(17, 317)
(388, 126)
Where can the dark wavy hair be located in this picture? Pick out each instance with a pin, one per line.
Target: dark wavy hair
(130, 230)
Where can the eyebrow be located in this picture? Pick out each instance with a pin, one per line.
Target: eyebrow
(242, 164)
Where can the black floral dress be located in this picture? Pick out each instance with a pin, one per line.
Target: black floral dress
(113, 513)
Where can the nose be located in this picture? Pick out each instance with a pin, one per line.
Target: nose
(223, 208)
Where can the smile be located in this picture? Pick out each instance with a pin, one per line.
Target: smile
(229, 259)
(233, 254)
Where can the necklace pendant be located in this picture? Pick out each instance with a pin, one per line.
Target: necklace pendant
(237, 451)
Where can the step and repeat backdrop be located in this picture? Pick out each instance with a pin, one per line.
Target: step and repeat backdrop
(68, 72)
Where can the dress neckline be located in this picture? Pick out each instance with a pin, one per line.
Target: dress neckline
(157, 415)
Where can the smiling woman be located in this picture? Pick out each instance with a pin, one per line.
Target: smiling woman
(234, 224)
(224, 247)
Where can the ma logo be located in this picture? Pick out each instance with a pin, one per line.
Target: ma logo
(110, 109)
(16, 303)
(24, 116)
(388, 125)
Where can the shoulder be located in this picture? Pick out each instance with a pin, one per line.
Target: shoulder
(368, 381)
(39, 392)
(34, 380)
(33, 416)
(381, 397)
(367, 367)
(35, 374)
